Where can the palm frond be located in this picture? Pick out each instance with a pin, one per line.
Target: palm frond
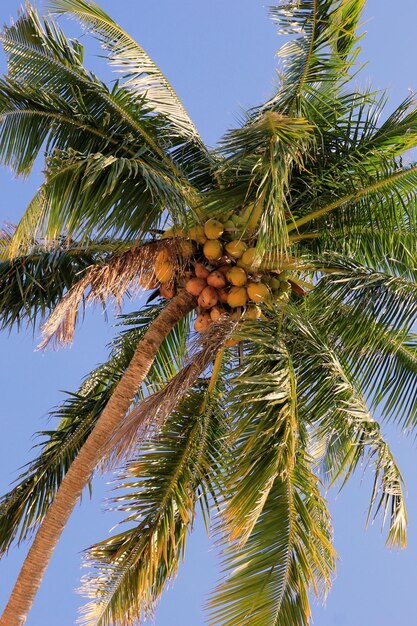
(381, 357)
(141, 75)
(132, 270)
(288, 553)
(149, 415)
(272, 500)
(324, 50)
(331, 403)
(31, 285)
(391, 300)
(174, 472)
(368, 203)
(24, 506)
(261, 155)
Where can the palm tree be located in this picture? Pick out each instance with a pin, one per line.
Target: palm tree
(298, 235)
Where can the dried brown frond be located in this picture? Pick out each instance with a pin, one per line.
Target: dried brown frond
(151, 413)
(128, 272)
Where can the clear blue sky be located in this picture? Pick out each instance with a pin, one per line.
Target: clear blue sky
(219, 55)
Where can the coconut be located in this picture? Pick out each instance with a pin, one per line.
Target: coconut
(252, 312)
(231, 342)
(196, 233)
(223, 269)
(252, 258)
(195, 286)
(282, 297)
(173, 232)
(201, 270)
(275, 283)
(236, 248)
(163, 271)
(217, 312)
(229, 225)
(208, 298)
(237, 276)
(162, 256)
(167, 290)
(213, 229)
(213, 250)
(224, 260)
(237, 297)
(186, 248)
(258, 292)
(202, 322)
(236, 314)
(285, 286)
(223, 294)
(216, 279)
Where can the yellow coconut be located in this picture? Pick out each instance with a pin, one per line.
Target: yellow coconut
(186, 248)
(201, 270)
(168, 234)
(163, 271)
(236, 248)
(231, 342)
(258, 292)
(246, 267)
(202, 322)
(237, 297)
(213, 250)
(195, 286)
(252, 258)
(236, 314)
(252, 313)
(196, 233)
(237, 276)
(213, 229)
(162, 256)
(173, 232)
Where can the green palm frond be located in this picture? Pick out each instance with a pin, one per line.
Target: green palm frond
(332, 405)
(386, 199)
(142, 76)
(174, 472)
(272, 501)
(325, 50)
(389, 299)
(288, 553)
(23, 508)
(31, 285)
(378, 354)
(261, 156)
(107, 137)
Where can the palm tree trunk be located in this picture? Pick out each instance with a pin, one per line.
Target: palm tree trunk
(47, 537)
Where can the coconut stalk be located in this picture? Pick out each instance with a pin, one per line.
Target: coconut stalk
(90, 455)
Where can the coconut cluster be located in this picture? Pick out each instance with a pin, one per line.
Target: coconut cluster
(223, 273)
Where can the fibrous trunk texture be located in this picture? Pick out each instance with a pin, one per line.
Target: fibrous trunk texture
(80, 472)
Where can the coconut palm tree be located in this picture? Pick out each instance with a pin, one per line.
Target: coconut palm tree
(295, 241)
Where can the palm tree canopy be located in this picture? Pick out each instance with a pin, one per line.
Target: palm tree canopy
(315, 186)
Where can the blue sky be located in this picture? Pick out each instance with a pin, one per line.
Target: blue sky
(220, 57)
